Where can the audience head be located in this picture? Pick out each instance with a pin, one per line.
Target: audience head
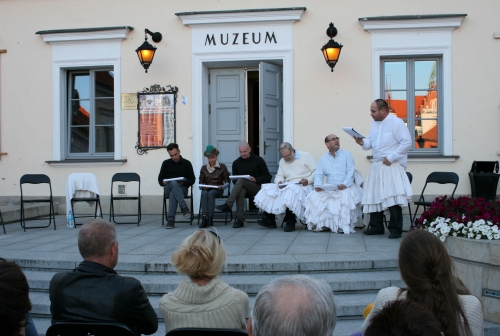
(295, 305)
(202, 255)
(14, 299)
(403, 318)
(97, 241)
(174, 152)
(244, 149)
(427, 270)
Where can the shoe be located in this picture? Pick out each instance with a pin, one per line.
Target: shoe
(394, 235)
(238, 223)
(204, 222)
(268, 223)
(210, 221)
(289, 227)
(371, 231)
(185, 212)
(322, 229)
(340, 231)
(170, 225)
(224, 208)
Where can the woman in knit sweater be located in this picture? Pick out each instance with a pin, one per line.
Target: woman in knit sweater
(427, 270)
(205, 301)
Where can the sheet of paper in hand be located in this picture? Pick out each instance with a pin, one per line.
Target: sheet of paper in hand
(235, 177)
(208, 186)
(329, 187)
(352, 132)
(174, 179)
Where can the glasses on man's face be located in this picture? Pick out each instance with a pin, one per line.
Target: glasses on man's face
(333, 139)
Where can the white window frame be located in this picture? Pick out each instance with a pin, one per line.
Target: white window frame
(412, 36)
(82, 49)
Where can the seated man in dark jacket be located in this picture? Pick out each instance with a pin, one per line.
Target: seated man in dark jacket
(247, 164)
(94, 292)
(175, 191)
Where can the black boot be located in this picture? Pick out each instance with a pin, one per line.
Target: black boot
(210, 221)
(204, 222)
(268, 220)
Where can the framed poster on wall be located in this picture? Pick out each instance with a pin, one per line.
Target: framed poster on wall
(156, 109)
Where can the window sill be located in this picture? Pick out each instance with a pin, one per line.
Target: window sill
(437, 158)
(86, 162)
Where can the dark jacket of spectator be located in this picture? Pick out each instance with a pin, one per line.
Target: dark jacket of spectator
(96, 293)
(254, 166)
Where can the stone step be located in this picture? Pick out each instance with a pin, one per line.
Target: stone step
(244, 264)
(12, 213)
(159, 284)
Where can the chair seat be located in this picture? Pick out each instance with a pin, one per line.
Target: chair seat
(422, 203)
(89, 328)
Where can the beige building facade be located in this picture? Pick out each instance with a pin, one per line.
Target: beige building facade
(244, 71)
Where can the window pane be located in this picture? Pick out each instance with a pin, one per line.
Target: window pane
(79, 140)
(397, 102)
(104, 84)
(426, 134)
(104, 139)
(395, 75)
(80, 86)
(80, 112)
(425, 75)
(104, 111)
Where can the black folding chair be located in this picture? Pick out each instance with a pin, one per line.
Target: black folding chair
(36, 179)
(126, 177)
(225, 195)
(191, 209)
(89, 328)
(435, 177)
(3, 225)
(95, 199)
(205, 332)
(410, 178)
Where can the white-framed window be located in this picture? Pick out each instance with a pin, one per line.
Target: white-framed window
(412, 88)
(418, 36)
(90, 113)
(78, 54)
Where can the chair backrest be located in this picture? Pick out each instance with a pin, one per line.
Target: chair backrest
(441, 178)
(410, 176)
(126, 177)
(206, 332)
(89, 328)
(34, 179)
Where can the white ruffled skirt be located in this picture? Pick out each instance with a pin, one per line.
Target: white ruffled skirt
(274, 200)
(386, 186)
(339, 209)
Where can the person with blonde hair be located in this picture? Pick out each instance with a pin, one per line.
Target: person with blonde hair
(205, 301)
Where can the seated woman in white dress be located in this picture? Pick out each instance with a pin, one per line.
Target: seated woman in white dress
(205, 301)
(335, 206)
(427, 270)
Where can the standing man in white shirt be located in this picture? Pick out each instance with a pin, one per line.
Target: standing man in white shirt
(387, 186)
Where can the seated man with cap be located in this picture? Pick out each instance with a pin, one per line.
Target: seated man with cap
(287, 195)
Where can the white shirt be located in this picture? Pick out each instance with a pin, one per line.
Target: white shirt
(338, 169)
(302, 167)
(389, 138)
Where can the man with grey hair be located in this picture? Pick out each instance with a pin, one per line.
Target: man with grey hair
(94, 292)
(287, 195)
(256, 168)
(294, 305)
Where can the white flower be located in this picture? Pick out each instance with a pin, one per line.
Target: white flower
(478, 237)
(442, 238)
(496, 236)
(470, 235)
(454, 234)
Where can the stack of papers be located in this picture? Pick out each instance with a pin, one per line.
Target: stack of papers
(329, 187)
(352, 132)
(208, 186)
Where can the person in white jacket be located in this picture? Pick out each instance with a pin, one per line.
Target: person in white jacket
(292, 184)
(387, 186)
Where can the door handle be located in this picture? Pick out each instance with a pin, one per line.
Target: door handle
(265, 147)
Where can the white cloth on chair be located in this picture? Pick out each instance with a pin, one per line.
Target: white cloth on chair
(80, 185)
(339, 209)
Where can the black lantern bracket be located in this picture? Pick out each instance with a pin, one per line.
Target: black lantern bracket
(156, 107)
